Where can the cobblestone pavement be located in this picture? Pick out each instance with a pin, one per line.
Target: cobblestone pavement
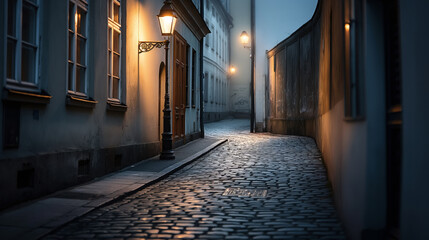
(191, 203)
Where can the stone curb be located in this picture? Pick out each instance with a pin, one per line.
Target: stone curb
(154, 179)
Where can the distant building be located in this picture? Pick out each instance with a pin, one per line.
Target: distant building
(216, 60)
(79, 100)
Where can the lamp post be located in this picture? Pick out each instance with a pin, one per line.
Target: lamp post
(244, 38)
(167, 21)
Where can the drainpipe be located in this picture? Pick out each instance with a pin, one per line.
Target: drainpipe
(202, 76)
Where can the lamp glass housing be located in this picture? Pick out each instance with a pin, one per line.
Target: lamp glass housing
(167, 19)
(244, 37)
(167, 24)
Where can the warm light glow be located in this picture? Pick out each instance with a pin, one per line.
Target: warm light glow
(232, 70)
(167, 24)
(167, 19)
(244, 37)
(347, 26)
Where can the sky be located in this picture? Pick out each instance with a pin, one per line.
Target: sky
(277, 19)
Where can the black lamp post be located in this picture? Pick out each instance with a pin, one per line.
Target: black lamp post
(244, 38)
(167, 21)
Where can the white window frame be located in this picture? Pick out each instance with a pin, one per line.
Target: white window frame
(207, 38)
(84, 5)
(212, 41)
(114, 26)
(16, 82)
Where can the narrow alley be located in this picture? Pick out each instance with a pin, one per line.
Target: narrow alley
(254, 186)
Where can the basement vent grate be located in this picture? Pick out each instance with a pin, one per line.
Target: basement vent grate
(240, 192)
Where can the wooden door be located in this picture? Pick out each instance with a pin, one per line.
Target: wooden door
(179, 85)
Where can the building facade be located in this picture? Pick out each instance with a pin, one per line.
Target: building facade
(352, 78)
(79, 100)
(216, 60)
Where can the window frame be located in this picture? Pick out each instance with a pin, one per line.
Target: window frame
(83, 4)
(213, 37)
(187, 80)
(16, 83)
(113, 26)
(207, 37)
(194, 78)
(206, 87)
(211, 88)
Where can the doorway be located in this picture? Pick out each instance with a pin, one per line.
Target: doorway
(179, 89)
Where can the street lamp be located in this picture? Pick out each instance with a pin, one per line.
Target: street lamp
(244, 38)
(232, 69)
(167, 21)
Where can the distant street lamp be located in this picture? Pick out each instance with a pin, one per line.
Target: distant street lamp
(232, 70)
(167, 21)
(244, 38)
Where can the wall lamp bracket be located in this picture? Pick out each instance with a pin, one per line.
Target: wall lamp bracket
(146, 46)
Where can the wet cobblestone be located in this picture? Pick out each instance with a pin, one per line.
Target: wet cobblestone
(190, 203)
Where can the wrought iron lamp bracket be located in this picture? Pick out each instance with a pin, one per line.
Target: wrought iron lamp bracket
(148, 46)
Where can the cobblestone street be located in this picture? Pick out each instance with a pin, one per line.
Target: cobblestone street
(255, 186)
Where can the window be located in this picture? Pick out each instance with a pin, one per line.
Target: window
(22, 43)
(206, 87)
(114, 50)
(216, 92)
(212, 88)
(213, 37)
(188, 65)
(207, 38)
(224, 50)
(77, 48)
(194, 76)
(217, 43)
(223, 93)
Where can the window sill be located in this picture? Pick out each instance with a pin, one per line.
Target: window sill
(80, 102)
(26, 97)
(116, 106)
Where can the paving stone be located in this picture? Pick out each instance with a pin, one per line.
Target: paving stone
(190, 203)
(184, 236)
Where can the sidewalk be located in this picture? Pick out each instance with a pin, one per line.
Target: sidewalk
(37, 218)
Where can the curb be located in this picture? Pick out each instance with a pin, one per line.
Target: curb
(154, 179)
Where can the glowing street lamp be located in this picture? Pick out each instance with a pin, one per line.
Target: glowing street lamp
(167, 22)
(167, 19)
(232, 70)
(244, 37)
(347, 26)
